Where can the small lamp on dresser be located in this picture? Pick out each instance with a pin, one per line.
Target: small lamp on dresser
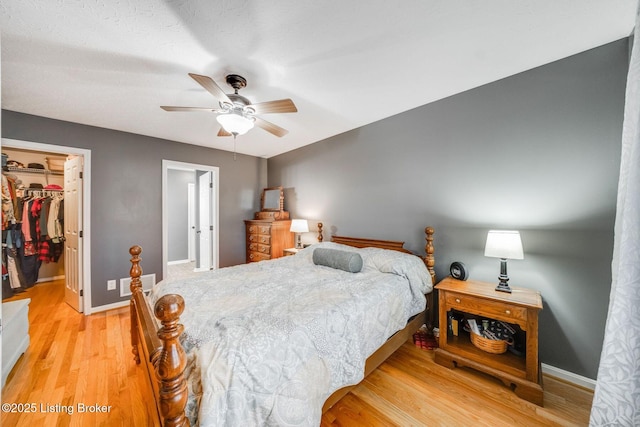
(503, 244)
(299, 226)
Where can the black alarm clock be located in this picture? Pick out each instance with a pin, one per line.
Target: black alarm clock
(458, 271)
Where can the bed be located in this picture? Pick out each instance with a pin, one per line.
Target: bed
(277, 342)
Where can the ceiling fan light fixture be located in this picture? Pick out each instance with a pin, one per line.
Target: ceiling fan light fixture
(235, 123)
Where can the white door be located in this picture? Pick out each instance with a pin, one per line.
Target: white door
(210, 199)
(72, 230)
(205, 226)
(191, 221)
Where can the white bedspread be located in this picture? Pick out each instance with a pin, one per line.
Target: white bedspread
(268, 342)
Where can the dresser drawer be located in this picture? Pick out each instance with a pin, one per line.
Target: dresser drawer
(484, 307)
(257, 256)
(257, 247)
(264, 229)
(259, 238)
(264, 239)
(267, 239)
(259, 229)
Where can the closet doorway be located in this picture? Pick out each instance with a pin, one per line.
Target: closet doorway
(189, 218)
(77, 247)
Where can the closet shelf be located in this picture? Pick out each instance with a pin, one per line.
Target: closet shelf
(34, 171)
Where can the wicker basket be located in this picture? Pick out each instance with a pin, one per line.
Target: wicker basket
(490, 346)
(55, 163)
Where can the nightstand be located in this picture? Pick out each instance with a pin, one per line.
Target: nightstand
(290, 251)
(521, 307)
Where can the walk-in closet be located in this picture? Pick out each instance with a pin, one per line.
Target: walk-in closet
(34, 209)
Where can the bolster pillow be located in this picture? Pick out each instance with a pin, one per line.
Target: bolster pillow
(334, 258)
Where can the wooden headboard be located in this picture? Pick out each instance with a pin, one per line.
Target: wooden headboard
(366, 243)
(395, 245)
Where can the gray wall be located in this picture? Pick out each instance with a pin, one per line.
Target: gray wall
(126, 203)
(538, 152)
(177, 213)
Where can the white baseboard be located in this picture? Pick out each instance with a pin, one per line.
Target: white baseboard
(180, 261)
(49, 279)
(570, 377)
(109, 306)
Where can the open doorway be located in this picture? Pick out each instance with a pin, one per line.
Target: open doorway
(76, 267)
(189, 218)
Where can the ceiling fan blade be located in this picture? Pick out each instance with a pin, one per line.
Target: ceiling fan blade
(223, 132)
(270, 127)
(279, 106)
(170, 108)
(211, 86)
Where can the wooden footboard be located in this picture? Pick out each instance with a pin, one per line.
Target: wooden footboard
(157, 346)
(159, 349)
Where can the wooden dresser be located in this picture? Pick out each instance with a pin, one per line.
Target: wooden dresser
(267, 239)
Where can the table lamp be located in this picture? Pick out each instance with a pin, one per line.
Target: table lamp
(503, 244)
(299, 226)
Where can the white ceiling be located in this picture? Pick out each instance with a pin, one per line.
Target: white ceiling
(345, 64)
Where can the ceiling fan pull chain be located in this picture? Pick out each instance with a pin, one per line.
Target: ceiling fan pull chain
(234, 146)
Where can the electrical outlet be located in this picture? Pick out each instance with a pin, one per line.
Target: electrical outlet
(111, 285)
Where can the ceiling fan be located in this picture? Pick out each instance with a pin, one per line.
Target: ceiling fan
(236, 114)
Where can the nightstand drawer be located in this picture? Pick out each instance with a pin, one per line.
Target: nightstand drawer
(484, 307)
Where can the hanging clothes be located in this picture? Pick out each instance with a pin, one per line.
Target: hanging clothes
(30, 228)
(33, 231)
(55, 228)
(29, 246)
(13, 245)
(8, 196)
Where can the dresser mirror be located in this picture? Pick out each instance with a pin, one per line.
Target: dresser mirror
(272, 199)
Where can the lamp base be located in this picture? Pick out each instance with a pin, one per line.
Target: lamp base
(503, 287)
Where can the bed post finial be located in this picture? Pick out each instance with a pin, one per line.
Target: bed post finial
(429, 249)
(135, 287)
(136, 270)
(320, 238)
(171, 361)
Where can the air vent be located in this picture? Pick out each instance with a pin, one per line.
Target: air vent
(148, 280)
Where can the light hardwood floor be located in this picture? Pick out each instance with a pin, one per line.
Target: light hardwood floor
(77, 360)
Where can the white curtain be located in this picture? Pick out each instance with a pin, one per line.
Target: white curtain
(617, 397)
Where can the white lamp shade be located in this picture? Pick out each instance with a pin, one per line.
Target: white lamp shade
(504, 244)
(235, 123)
(299, 226)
